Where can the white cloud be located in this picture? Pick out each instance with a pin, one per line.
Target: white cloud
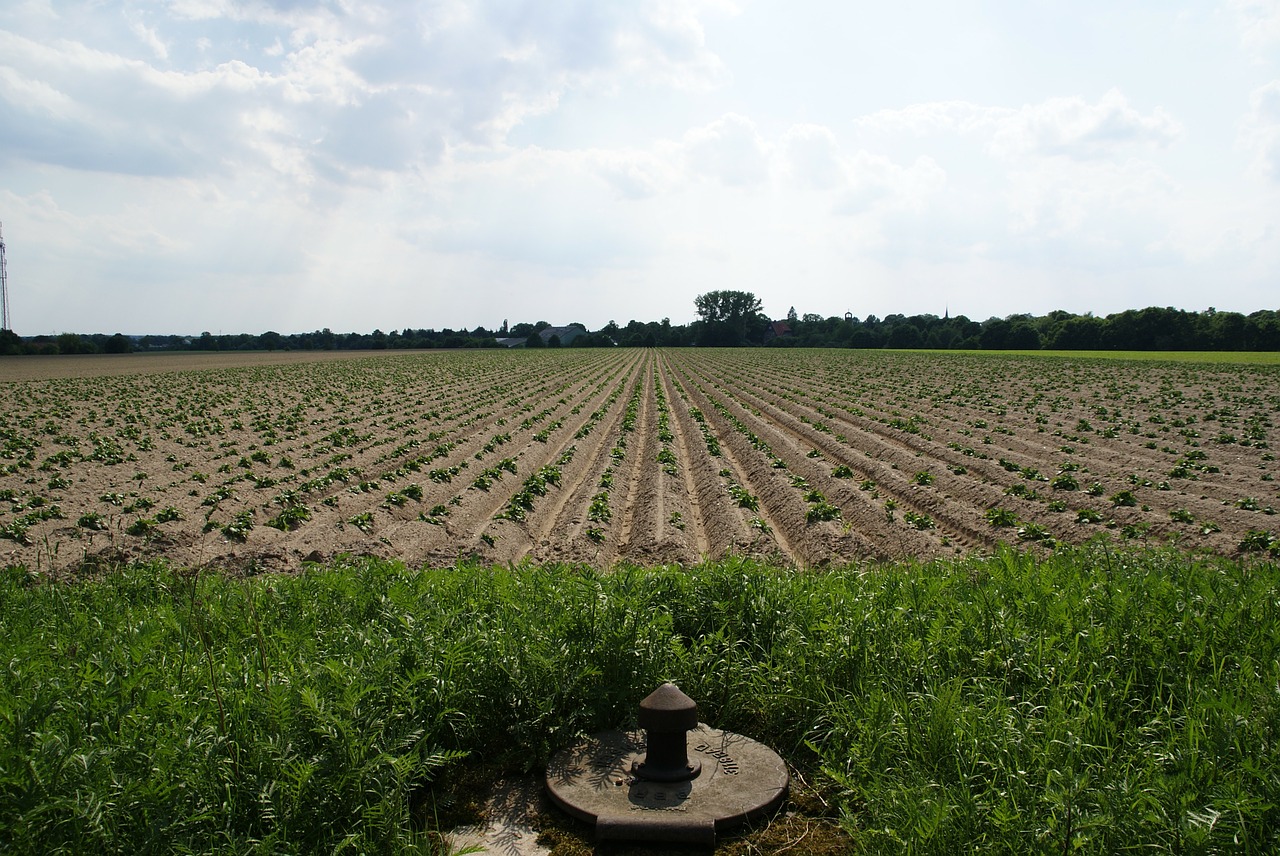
(1075, 128)
(151, 38)
(861, 180)
(1260, 132)
(729, 150)
(636, 174)
(1102, 205)
(382, 163)
(813, 156)
(354, 87)
(1259, 22)
(937, 117)
(1063, 126)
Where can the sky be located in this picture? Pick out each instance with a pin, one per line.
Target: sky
(250, 165)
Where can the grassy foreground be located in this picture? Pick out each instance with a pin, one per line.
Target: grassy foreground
(1085, 701)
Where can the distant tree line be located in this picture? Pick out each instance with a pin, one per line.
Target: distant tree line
(734, 319)
(1151, 329)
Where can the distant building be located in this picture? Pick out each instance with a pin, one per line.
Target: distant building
(566, 334)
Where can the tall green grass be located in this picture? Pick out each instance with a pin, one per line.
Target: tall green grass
(1087, 701)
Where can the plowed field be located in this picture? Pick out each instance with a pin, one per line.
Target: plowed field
(638, 455)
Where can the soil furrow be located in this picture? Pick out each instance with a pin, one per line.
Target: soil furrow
(779, 505)
(889, 478)
(685, 456)
(560, 528)
(724, 530)
(638, 532)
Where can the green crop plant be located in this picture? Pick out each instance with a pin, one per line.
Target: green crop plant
(821, 511)
(92, 521)
(534, 486)
(1023, 491)
(1001, 517)
(239, 527)
(143, 527)
(1259, 541)
(15, 530)
(1125, 498)
(743, 497)
(362, 521)
(918, 521)
(290, 518)
(1034, 532)
(598, 511)
(1133, 530)
(1064, 481)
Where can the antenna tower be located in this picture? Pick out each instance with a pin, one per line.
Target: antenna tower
(4, 284)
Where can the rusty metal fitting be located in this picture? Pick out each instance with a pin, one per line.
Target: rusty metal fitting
(667, 716)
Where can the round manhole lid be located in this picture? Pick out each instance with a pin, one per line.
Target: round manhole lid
(596, 781)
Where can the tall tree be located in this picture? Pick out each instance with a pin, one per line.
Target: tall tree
(730, 318)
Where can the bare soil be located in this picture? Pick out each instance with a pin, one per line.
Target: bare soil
(265, 462)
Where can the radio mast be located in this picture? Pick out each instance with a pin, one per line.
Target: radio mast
(4, 285)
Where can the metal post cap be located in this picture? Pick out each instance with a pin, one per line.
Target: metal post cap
(666, 709)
